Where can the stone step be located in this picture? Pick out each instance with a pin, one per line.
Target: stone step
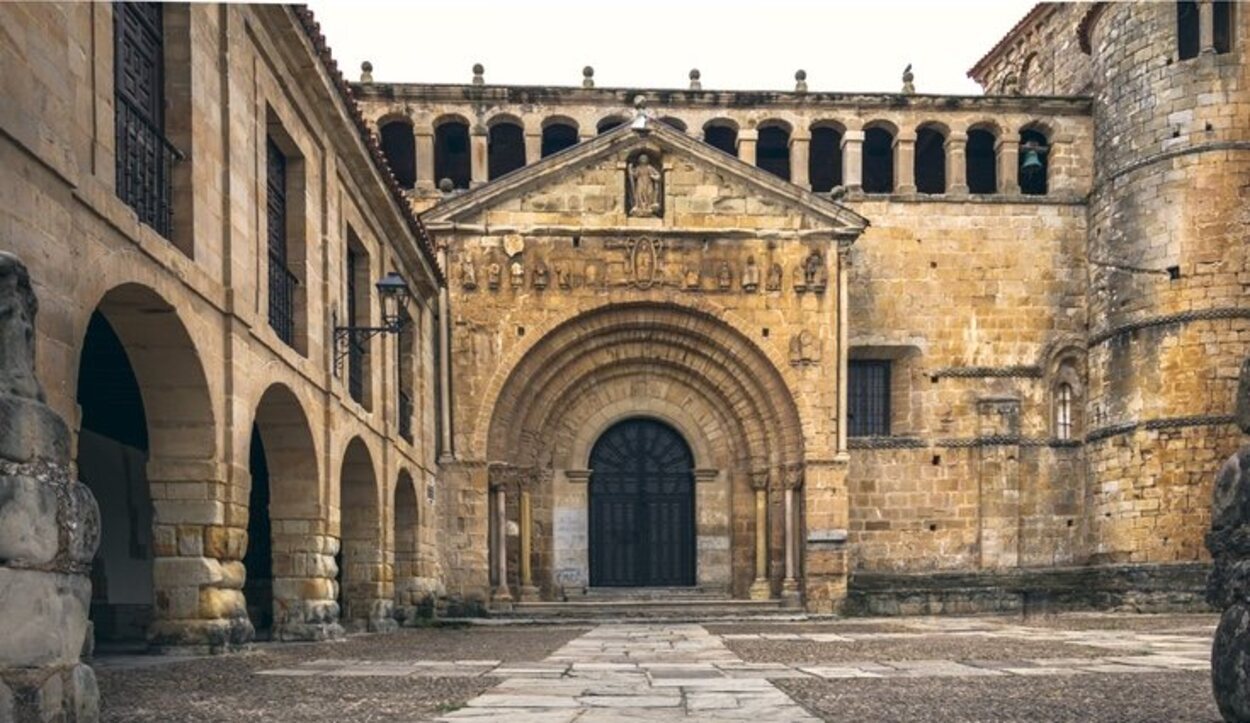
(672, 610)
(651, 593)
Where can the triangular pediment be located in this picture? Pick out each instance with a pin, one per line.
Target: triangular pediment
(586, 184)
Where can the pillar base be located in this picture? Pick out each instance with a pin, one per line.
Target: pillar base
(307, 632)
(761, 589)
(529, 593)
(501, 599)
(200, 637)
(791, 597)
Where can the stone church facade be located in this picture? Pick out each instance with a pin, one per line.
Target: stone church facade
(880, 353)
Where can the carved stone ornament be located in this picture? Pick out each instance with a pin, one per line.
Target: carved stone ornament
(468, 273)
(750, 275)
(493, 275)
(644, 182)
(513, 244)
(774, 278)
(692, 280)
(804, 349)
(792, 476)
(541, 275)
(592, 274)
(759, 479)
(644, 259)
(815, 276)
(800, 279)
(724, 277)
(563, 280)
(518, 275)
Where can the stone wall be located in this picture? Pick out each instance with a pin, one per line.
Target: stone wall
(1042, 55)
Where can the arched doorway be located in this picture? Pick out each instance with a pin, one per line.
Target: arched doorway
(364, 593)
(642, 516)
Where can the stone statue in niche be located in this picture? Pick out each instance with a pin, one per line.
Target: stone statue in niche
(518, 275)
(644, 182)
(468, 273)
(724, 277)
(803, 349)
(541, 275)
(800, 278)
(562, 277)
(774, 278)
(692, 280)
(493, 274)
(750, 275)
(814, 274)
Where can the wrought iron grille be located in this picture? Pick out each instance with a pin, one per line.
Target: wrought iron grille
(282, 287)
(145, 158)
(868, 398)
(355, 348)
(405, 415)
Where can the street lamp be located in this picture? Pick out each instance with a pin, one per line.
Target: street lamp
(393, 292)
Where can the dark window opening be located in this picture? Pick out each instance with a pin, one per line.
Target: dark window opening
(982, 170)
(1222, 25)
(282, 283)
(608, 124)
(399, 147)
(1034, 166)
(1187, 33)
(723, 138)
(878, 161)
(258, 560)
(145, 157)
(674, 123)
(772, 152)
(930, 161)
(451, 153)
(557, 137)
(868, 398)
(506, 149)
(406, 373)
(824, 167)
(358, 315)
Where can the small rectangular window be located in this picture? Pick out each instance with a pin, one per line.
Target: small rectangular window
(282, 283)
(1187, 33)
(1222, 25)
(868, 398)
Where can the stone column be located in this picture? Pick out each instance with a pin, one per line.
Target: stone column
(746, 145)
(1007, 154)
(761, 588)
(843, 335)
(853, 160)
(501, 597)
(905, 162)
(446, 453)
(305, 602)
(800, 144)
(790, 585)
(533, 147)
(1206, 27)
(479, 172)
(956, 163)
(49, 530)
(426, 182)
(529, 592)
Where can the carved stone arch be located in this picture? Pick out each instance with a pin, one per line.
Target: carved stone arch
(722, 122)
(364, 592)
(446, 118)
(884, 124)
(502, 117)
(563, 120)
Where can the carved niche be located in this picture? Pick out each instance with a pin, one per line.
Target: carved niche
(774, 278)
(644, 262)
(541, 275)
(518, 274)
(493, 274)
(750, 275)
(804, 349)
(724, 276)
(644, 186)
(468, 273)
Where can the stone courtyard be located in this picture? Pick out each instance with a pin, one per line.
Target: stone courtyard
(1075, 667)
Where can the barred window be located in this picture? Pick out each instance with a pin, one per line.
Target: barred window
(868, 398)
(282, 283)
(1063, 411)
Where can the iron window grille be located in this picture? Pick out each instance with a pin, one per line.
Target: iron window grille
(868, 399)
(405, 415)
(282, 283)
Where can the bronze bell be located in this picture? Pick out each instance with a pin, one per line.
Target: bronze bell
(1032, 164)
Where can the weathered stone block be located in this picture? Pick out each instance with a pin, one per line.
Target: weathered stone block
(28, 520)
(30, 431)
(45, 617)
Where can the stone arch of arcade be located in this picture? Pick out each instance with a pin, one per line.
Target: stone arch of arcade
(169, 568)
(365, 582)
(677, 364)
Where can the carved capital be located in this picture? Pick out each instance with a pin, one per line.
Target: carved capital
(792, 476)
(759, 479)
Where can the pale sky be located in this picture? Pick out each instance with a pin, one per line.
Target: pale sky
(843, 46)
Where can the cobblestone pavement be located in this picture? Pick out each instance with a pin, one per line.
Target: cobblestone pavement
(1071, 668)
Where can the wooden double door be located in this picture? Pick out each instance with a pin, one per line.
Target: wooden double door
(642, 516)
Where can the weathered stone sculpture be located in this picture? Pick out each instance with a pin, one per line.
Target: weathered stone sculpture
(49, 529)
(1228, 586)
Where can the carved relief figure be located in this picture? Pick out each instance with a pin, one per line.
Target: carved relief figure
(493, 273)
(541, 275)
(468, 273)
(644, 187)
(518, 275)
(592, 274)
(800, 278)
(803, 349)
(811, 269)
(750, 275)
(774, 277)
(724, 277)
(692, 280)
(643, 258)
(562, 277)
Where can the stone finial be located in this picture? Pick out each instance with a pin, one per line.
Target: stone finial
(588, 77)
(446, 186)
(695, 75)
(366, 72)
(800, 81)
(640, 102)
(909, 88)
(478, 70)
